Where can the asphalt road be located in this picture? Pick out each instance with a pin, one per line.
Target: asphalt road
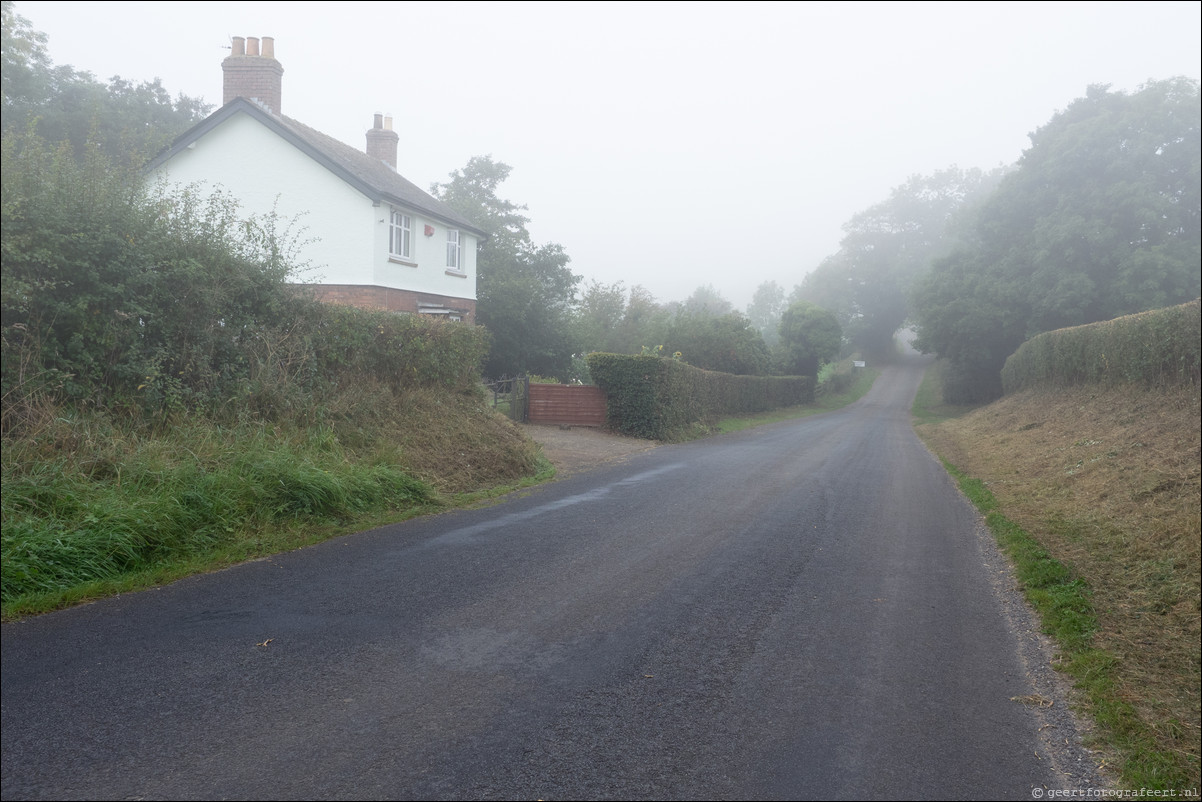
(807, 610)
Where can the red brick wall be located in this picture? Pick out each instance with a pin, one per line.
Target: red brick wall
(394, 300)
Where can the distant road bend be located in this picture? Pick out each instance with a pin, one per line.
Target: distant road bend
(807, 610)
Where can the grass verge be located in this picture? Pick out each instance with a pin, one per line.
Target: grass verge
(1094, 497)
(93, 507)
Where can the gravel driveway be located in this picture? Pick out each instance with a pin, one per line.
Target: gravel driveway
(578, 448)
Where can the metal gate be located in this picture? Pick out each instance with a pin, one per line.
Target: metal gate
(512, 396)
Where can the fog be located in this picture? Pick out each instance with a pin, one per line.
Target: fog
(670, 145)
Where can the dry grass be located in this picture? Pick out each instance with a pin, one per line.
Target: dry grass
(1108, 483)
(458, 444)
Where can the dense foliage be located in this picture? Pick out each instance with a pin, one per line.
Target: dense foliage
(810, 336)
(1100, 218)
(721, 342)
(167, 394)
(887, 248)
(127, 121)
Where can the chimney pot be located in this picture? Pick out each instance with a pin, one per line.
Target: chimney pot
(387, 122)
(253, 76)
(382, 141)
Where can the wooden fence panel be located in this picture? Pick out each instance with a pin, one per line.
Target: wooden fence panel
(579, 405)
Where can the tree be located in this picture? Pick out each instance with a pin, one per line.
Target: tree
(809, 337)
(707, 300)
(25, 62)
(525, 293)
(1100, 219)
(725, 343)
(889, 246)
(599, 317)
(765, 310)
(129, 122)
(644, 323)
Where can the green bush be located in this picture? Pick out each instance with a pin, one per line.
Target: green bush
(660, 399)
(1157, 349)
(157, 301)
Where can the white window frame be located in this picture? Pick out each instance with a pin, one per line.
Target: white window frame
(400, 236)
(454, 255)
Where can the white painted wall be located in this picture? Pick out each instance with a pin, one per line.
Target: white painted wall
(343, 237)
(430, 254)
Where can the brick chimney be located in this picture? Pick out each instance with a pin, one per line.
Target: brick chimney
(253, 75)
(382, 141)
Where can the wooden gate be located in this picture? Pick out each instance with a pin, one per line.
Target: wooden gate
(576, 405)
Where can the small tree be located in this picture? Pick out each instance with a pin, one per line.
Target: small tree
(809, 337)
(725, 343)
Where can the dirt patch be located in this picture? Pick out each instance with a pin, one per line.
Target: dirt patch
(572, 449)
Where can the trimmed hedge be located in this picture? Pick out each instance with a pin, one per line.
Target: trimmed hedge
(403, 350)
(660, 399)
(1159, 348)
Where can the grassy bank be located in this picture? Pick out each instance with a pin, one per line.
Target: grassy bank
(1094, 494)
(92, 507)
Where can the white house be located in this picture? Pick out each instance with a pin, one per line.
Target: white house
(371, 237)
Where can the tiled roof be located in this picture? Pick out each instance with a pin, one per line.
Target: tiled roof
(368, 175)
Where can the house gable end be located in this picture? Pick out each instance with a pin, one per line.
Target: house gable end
(373, 180)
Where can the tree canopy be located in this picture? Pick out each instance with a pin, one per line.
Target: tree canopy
(526, 294)
(1099, 219)
(765, 309)
(886, 248)
(721, 342)
(130, 122)
(810, 336)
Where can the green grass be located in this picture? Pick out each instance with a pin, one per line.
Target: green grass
(93, 507)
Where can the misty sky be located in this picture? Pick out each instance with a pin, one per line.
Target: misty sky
(670, 145)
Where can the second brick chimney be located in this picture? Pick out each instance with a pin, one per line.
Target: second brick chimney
(253, 75)
(382, 141)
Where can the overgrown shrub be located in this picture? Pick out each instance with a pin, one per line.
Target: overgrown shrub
(160, 301)
(660, 399)
(1159, 348)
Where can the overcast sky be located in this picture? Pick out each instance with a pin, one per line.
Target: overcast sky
(670, 145)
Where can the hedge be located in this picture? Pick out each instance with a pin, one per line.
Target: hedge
(660, 399)
(1159, 348)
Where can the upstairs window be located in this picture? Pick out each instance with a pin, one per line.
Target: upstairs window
(453, 250)
(400, 236)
